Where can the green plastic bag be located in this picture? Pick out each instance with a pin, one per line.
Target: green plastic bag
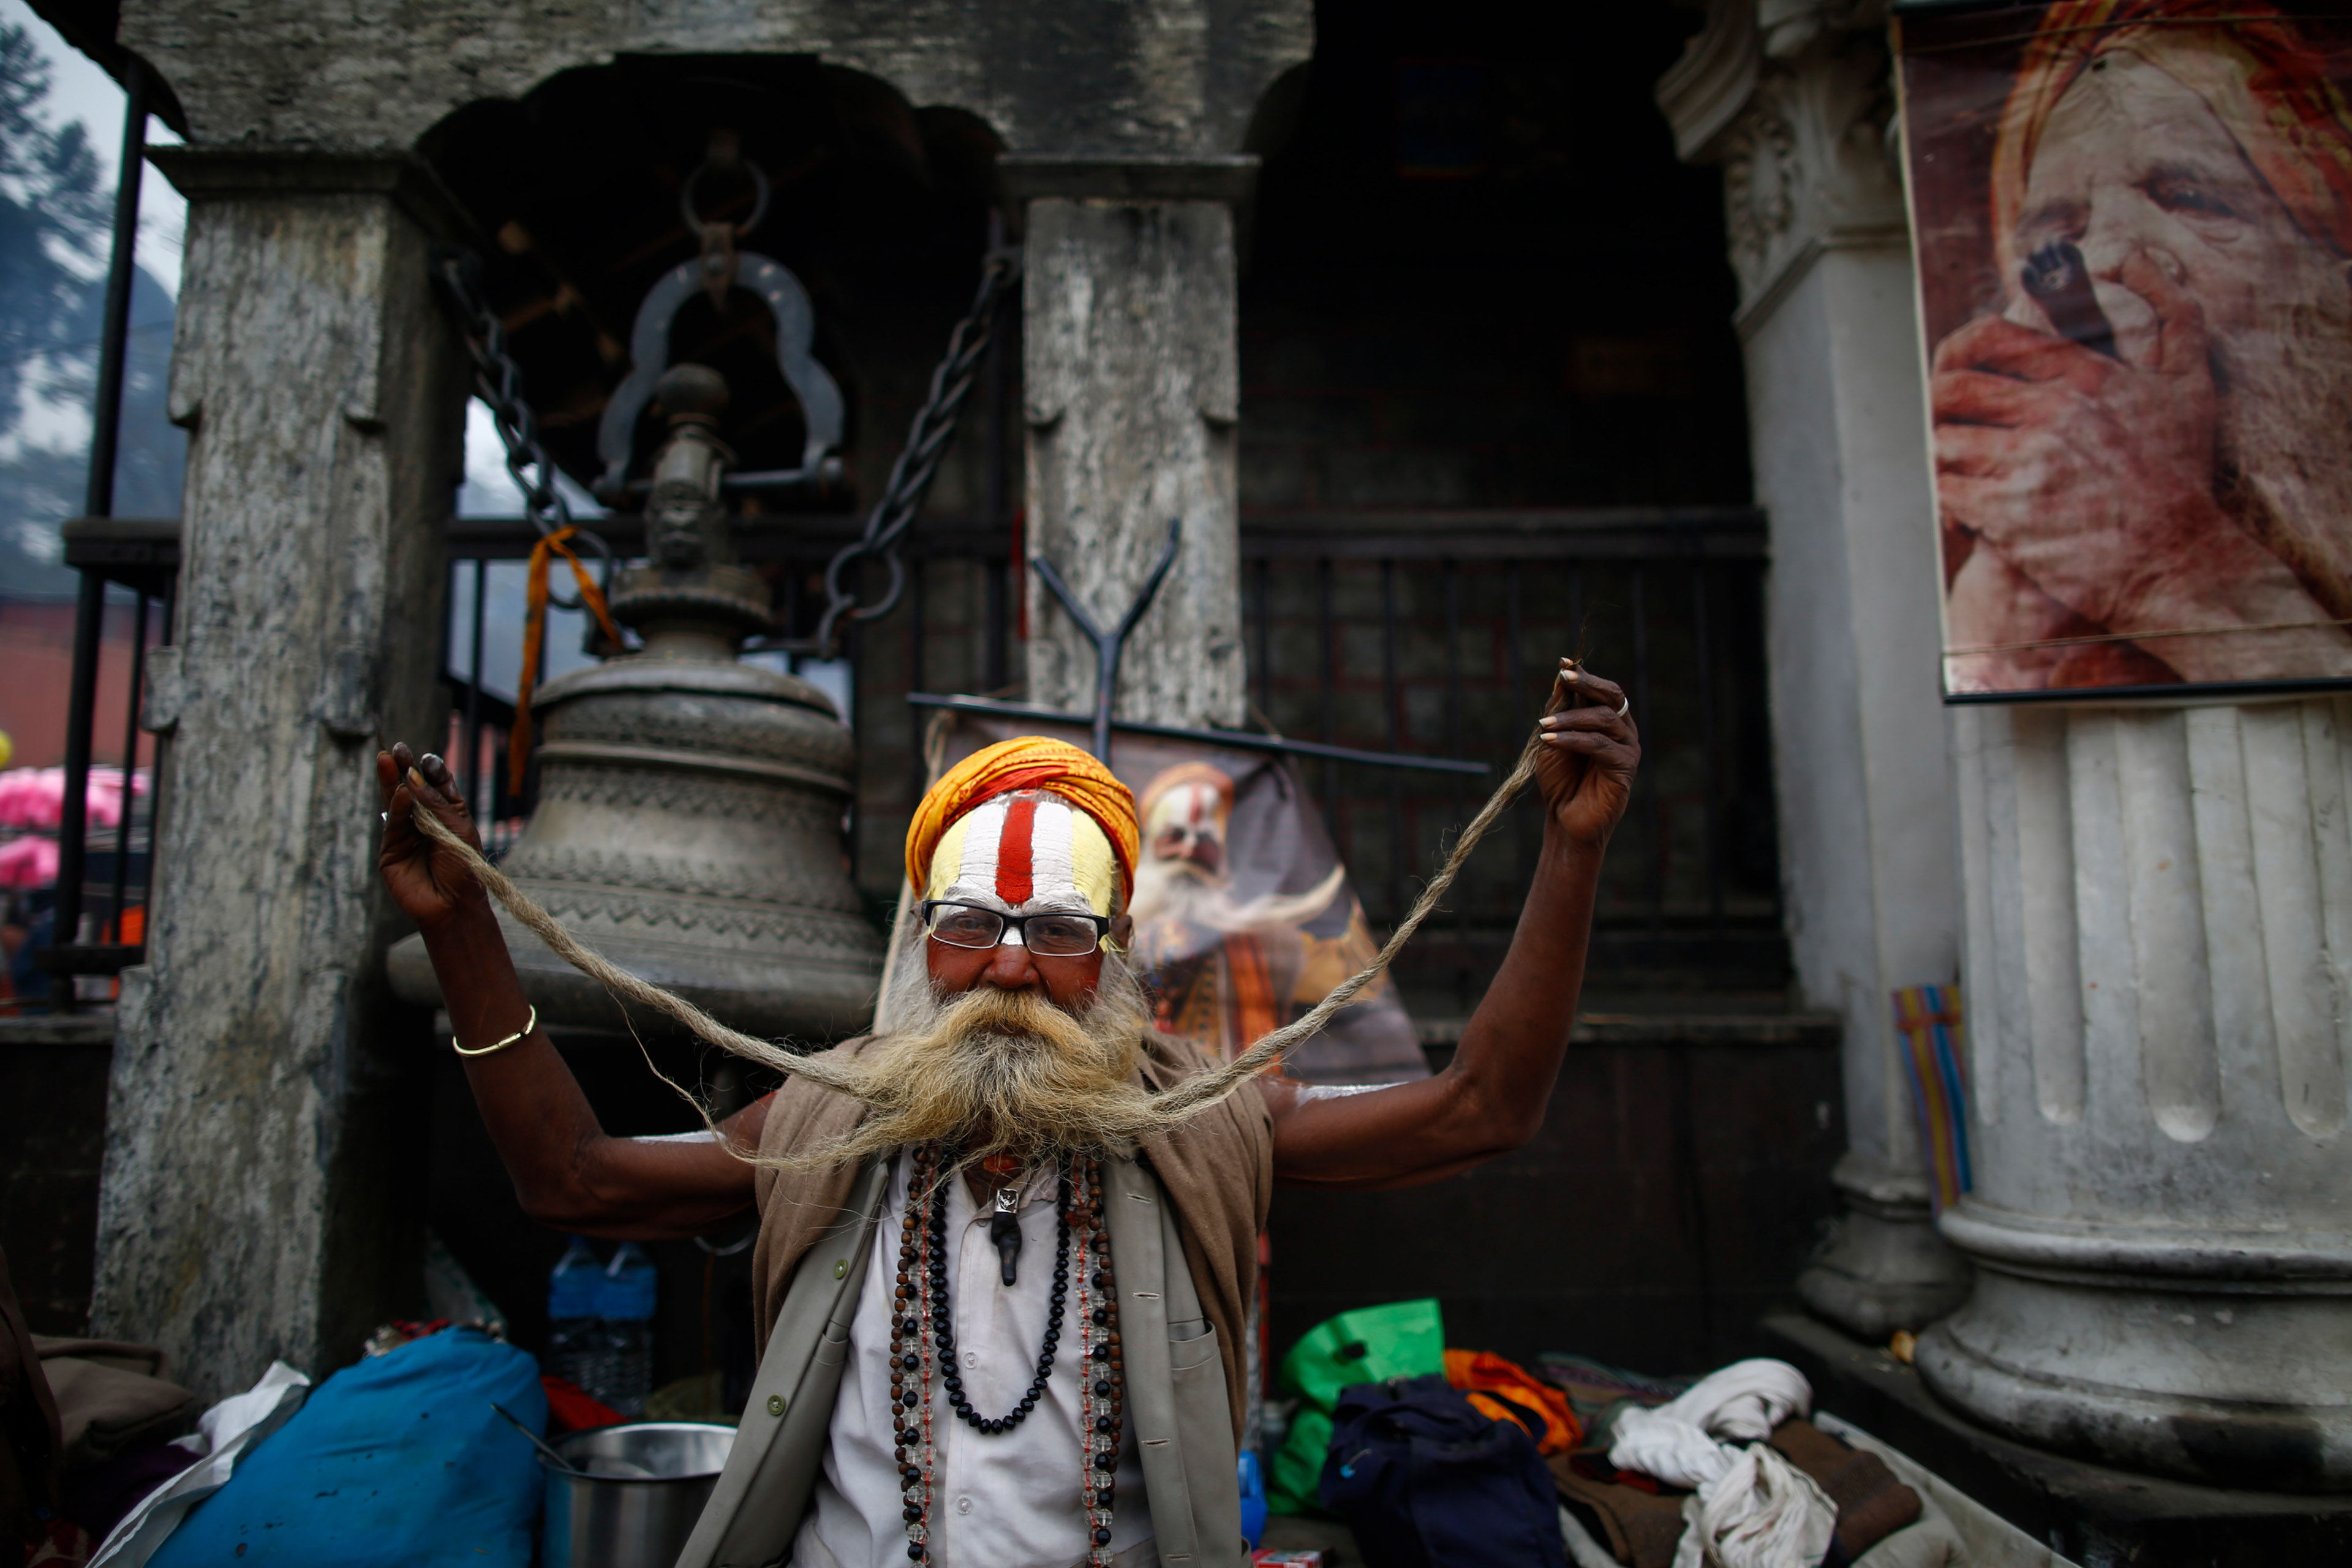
(1370, 1345)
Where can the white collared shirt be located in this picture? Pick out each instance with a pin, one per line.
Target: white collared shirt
(1007, 1500)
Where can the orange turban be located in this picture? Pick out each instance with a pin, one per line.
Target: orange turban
(1028, 762)
(2249, 63)
(1182, 774)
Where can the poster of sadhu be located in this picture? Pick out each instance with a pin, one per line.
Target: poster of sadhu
(2134, 227)
(1244, 917)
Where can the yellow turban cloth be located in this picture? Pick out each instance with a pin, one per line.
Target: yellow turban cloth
(1026, 762)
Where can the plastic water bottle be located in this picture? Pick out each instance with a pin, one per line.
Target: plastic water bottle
(1253, 1487)
(625, 1297)
(575, 1340)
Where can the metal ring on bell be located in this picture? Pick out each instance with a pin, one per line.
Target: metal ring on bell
(758, 199)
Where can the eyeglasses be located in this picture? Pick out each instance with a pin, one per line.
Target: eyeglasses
(1052, 935)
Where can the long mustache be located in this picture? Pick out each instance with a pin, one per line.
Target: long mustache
(993, 1072)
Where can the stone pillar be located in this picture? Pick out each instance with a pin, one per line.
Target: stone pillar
(1131, 380)
(1793, 104)
(2160, 943)
(265, 1125)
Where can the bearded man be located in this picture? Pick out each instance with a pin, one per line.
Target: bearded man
(1005, 1249)
(1224, 971)
(2166, 493)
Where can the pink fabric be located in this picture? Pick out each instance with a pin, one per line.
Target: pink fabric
(35, 798)
(28, 862)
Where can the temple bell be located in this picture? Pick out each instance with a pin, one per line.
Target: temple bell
(690, 805)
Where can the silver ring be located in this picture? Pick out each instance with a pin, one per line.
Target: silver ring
(384, 818)
(1623, 704)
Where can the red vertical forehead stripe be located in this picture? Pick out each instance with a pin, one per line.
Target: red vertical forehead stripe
(1026, 762)
(1014, 882)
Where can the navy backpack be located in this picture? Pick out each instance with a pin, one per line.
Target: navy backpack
(1427, 1480)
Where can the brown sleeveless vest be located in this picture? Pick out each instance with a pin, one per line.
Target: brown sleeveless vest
(1217, 1169)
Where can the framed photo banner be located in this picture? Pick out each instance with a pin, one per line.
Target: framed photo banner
(1244, 917)
(2133, 222)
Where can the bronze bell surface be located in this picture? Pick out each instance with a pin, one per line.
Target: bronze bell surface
(690, 815)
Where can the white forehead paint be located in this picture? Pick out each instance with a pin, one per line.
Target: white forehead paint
(1315, 1091)
(1025, 853)
(705, 1136)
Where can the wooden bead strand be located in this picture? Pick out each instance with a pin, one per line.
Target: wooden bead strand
(910, 1361)
(1103, 1369)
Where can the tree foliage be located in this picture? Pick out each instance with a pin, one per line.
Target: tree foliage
(56, 227)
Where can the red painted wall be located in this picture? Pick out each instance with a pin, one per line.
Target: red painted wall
(36, 669)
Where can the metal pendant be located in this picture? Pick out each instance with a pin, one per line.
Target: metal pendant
(1005, 1230)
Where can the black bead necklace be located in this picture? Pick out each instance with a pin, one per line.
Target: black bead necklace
(943, 1319)
(921, 1303)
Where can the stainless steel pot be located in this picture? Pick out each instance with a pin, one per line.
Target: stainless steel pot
(644, 1488)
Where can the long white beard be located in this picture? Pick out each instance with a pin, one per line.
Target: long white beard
(1180, 890)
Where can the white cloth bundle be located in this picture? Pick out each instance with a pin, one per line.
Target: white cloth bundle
(1763, 1513)
(1676, 1452)
(1741, 1402)
(1754, 1510)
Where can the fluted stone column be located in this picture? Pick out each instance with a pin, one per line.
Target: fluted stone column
(264, 1141)
(1791, 98)
(1132, 385)
(2160, 969)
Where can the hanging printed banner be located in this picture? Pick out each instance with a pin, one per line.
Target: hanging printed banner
(2133, 224)
(1244, 916)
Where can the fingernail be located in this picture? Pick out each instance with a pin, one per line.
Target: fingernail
(417, 779)
(1576, 675)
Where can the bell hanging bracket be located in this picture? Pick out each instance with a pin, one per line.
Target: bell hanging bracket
(718, 269)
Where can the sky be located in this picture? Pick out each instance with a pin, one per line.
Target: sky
(79, 91)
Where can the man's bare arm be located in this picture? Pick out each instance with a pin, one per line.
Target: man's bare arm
(567, 1172)
(1492, 1096)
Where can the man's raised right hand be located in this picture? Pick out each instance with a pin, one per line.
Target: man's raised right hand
(430, 883)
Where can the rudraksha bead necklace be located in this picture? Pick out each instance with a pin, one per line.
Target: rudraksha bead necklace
(921, 1303)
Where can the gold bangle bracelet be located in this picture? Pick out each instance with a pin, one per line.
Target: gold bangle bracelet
(502, 1045)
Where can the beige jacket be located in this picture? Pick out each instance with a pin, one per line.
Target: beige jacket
(1176, 1388)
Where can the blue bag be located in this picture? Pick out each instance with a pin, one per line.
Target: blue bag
(398, 1462)
(1425, 1479)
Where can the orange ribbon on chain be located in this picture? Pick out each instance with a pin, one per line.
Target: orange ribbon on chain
(534, 626)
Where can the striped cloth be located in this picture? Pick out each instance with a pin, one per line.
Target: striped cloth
(1928, 1019)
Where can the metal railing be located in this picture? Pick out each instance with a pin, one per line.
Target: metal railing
(105, 874)
(1428, 633)
(1434, 633)
(1421, 633)
(1438, 632)
(110, 553)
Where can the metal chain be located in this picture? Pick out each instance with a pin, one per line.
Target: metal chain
(498, 380)
(926, 443)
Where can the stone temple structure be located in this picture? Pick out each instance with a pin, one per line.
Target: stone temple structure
(249, 1200)
(2146, 904)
